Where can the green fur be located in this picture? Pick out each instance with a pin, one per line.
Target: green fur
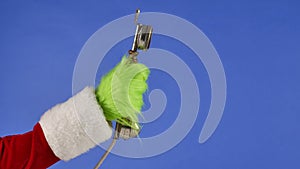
(120, 92)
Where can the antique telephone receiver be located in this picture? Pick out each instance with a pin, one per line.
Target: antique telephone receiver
(141, 41)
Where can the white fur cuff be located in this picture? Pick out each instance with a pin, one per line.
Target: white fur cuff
(75, 126)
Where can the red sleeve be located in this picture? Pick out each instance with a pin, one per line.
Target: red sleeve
(26, 151)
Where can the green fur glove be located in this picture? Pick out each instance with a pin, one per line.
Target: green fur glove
(120, 92)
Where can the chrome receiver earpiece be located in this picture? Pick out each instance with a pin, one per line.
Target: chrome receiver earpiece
(142, 39)
(143, 34)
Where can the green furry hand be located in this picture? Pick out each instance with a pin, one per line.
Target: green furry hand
(120, 92)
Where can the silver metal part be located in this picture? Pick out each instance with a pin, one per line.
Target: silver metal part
(141, 41)
(142, 37)
(143, 34)
(126, 132)
(137, 14)
(132, 56)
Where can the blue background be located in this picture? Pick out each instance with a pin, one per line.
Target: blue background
(258, 43)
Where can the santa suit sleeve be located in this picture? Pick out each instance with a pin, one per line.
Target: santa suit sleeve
(64, 132)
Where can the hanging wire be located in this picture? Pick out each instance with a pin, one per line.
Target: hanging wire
(112, 144)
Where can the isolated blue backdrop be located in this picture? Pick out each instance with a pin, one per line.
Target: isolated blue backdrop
(258, 43)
